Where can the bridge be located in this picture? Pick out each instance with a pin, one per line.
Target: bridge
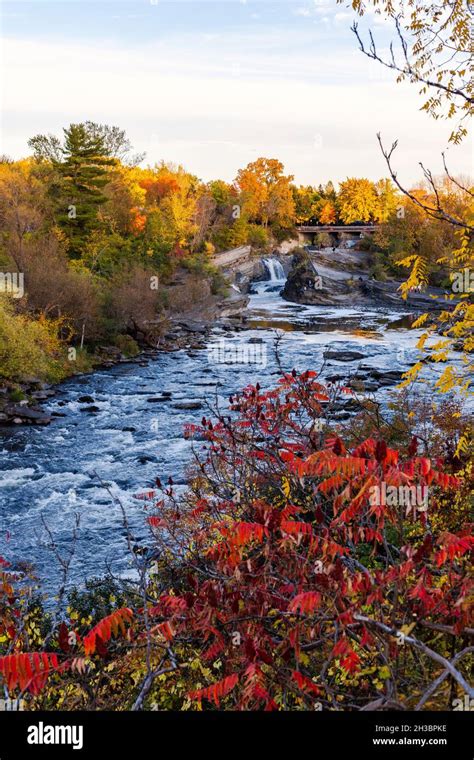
(307, 232)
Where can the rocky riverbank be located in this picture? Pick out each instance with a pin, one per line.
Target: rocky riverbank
(342, 277)
(188, 328)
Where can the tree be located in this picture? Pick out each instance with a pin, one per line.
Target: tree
(387, 199)
(29, 347)
(306, 200)
(83, 177)
(357, 200)
(46, 148)
(329, 192)
(24, 207)
(327, 213)
(434, 52)
(408, 231)
(114, 141)
(266, 193)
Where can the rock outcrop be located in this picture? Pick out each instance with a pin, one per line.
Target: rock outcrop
(342, 277)
(305, 284)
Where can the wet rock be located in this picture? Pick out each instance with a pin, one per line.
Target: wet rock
(386, 377)
(129, 430)
(43, 395)
(145, 459)
(335, 378)
(193, 327)
(344, 356)
(157, 399)
(340, 416)
(91, 409)
(86, 400)
(19, 414)
(371, 387)
(389, 293)
(351, 403)
(188, 405)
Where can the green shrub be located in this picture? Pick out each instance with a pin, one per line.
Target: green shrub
(127, 345)
(257, 236)
(16, 395)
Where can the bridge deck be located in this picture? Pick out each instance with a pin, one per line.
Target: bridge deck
(337, 228)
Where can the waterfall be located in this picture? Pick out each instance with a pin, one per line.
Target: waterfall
(275, 270)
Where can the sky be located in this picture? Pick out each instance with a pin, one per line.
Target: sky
(214, 85)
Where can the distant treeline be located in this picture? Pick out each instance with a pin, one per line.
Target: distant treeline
(90, 230)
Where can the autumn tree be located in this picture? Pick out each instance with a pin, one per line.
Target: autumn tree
(328, 191)
(357, 200)
(266, 193)
(409, 231)
(387, 199)
(306, 199)
(327, 213)
(434, 50)
(24, 207)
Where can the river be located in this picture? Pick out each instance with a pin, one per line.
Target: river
(52, 473)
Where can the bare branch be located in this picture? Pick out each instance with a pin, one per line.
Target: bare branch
(435, 211)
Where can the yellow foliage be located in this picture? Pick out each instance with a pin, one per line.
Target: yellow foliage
(29, 346)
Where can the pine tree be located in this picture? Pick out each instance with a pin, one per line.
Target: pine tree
(83, 176)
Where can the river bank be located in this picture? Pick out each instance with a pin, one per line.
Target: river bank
(22, 402)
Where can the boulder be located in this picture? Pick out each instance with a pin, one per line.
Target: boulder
(344, 356)
(306, 286)
(188, 405)
(19, 414)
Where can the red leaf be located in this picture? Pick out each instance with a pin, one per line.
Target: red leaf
(217, 691)
(305, 602)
